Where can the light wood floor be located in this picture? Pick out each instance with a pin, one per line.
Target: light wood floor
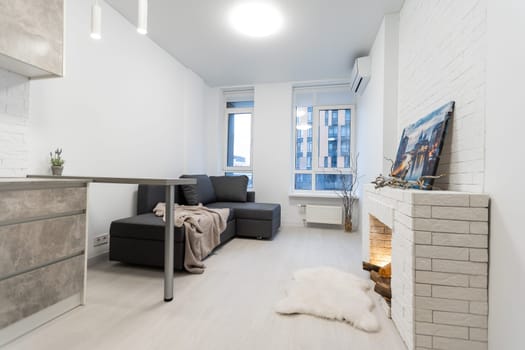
(229, 307)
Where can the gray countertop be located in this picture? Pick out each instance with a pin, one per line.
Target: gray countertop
(120, 180)
(22, 183)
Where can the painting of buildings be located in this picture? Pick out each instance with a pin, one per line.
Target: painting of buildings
(420, 145)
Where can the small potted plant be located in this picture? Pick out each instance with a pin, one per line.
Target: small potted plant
(57, 163)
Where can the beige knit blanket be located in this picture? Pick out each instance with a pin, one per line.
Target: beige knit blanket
(202, 226)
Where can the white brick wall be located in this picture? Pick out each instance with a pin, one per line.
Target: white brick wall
(14, 112)
(442, 58)
(439, 265)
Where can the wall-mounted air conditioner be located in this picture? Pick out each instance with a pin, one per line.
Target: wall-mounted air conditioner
(360, 75)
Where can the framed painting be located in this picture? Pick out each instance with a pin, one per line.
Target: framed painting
(421, 144)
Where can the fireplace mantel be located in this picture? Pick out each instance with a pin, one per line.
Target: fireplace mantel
(439, 264)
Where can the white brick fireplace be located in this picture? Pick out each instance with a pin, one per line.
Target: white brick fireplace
(439, 264)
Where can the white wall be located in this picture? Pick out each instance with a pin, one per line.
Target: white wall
(215, 132)
(14, 114)
(377, 107)
(391, 82)
(194, 104)
(377, 111)
(442, 51)
(124, 108)
(504, 172)
(272, 148)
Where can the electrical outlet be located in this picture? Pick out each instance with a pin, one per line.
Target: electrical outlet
(101, 240)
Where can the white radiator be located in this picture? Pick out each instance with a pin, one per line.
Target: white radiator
(324, 214)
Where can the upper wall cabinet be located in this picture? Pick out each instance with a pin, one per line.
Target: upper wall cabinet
(32, 37)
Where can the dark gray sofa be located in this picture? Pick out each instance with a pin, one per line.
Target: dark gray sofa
(140, 239)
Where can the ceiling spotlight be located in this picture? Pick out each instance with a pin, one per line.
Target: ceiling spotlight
(142, 26)
(96, 21)
(256, 19)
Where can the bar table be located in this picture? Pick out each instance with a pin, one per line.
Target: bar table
(168, 229)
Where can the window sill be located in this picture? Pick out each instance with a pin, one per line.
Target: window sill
(314, 195)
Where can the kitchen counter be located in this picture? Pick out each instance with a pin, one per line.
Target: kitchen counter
(42, 251)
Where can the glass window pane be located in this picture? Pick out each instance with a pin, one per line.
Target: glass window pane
(331, 182)
(249, 174)
(303, 182)
(303, 138)
(239, 104)
(334, 138)
(239, 139)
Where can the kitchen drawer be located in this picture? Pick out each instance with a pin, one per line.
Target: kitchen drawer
(28, 293)
(28, 204)
(27, 245)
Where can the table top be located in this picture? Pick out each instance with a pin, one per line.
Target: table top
(120, 180)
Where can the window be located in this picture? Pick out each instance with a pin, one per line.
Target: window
(239, 115)
(323, 139)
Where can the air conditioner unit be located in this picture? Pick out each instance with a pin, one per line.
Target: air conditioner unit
(360, 75)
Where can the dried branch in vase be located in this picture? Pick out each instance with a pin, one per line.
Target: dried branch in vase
(348, 192)
(398, 182)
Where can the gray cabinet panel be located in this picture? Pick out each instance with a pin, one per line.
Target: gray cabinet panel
(32, 244)
(18, 205)
(32, 33)
(25, 294)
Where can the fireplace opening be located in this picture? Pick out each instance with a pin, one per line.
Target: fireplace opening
(379, 265)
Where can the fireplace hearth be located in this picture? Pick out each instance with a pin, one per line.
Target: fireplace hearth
(438, 249)
(379, 263)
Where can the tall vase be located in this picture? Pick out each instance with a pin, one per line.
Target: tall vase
(348, 224)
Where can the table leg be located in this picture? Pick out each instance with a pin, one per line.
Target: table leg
(168, 244)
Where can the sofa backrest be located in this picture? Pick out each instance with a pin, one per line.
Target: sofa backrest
(230, 188)
(203, 192)
(148, 196)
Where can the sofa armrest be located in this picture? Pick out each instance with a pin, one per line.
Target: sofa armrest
(250, 196)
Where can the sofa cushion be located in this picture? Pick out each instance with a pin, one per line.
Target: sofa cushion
(230, 188)
(256, 211)
(144, 226)
(203, 192)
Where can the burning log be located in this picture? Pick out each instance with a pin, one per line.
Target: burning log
(381, 276)
(384, 290)
(377, 278)
(386, 271)
(370, 267)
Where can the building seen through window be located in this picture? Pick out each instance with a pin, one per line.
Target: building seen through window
(239, 117)
(323, 140)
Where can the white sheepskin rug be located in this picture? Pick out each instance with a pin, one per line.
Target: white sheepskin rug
(329, 293)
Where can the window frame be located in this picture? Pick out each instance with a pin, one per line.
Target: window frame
(315, 147)
(227, 112)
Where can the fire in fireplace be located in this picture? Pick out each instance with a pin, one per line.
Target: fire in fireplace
(380, 258)
(380, 242)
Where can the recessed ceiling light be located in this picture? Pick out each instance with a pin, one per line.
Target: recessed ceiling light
(256, 19)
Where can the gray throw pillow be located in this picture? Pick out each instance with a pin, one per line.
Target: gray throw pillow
(202, 192)
(230, 188)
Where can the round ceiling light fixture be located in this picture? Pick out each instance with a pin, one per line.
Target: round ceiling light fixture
(256, 19)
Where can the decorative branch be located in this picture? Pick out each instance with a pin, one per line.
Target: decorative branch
(390, 181)
(349, 185)
(398, 182)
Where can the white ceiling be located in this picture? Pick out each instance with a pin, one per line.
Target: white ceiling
(319, 41)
